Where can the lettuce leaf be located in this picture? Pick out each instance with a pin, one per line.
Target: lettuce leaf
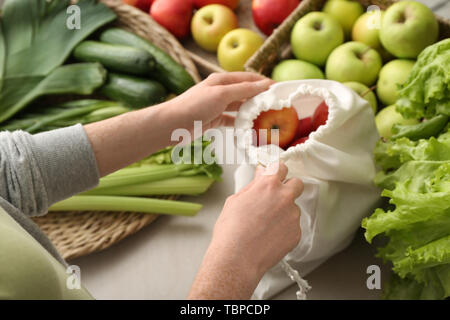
(416, 178)
(426, 92)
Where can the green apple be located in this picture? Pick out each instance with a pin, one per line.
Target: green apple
(353, 61)
(296, 70)
(366, 29)
(314, 37)
(392, 74)
(387, 117)
(407, 28)
(210, 24)
(236, 47)
(346, 12)
(364, 92)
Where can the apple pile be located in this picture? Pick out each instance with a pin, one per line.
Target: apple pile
(363, 50)
(292, 131)
(214, 25)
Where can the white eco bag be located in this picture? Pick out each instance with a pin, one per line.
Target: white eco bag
(335, 164)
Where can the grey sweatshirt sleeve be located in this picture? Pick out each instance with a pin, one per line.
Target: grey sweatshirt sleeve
(39, 170)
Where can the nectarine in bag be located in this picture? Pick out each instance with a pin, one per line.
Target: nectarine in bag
(335, 163)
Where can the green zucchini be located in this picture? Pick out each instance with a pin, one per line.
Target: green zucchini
(167, 71)
(133, 91)
(118, 58)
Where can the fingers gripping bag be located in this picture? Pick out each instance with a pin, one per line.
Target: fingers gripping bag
(335, 164)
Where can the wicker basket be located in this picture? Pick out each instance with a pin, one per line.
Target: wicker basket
(277, 46)
(79, 233)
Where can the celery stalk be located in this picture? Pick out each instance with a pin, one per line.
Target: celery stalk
(131, 204)
(180, 185)
(145, 173)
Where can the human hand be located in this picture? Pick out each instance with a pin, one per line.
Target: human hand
(220, 92)
(258, 226)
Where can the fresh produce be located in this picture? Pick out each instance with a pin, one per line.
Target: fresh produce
(210, 24)
(131, 204)
(236, 47)
(315, 36)
(423, 130)
(298, 141)
(426, 92)
(407, 28)
(320, 116)
(144, 5)
(34, 47)
(346, 12)
(167, 71)
(393, 74)
(296, 70)
(366, 29)
(182, 185)
(174, 15)
(388, 117)
(80, 78)
(133, 91)
(365, 93)
(65, 114)
(305, 127)
(284, 120)
(232, 4)
(415, 176)
(269, 14)
(155, 175)
(116, 57)
(353, 61)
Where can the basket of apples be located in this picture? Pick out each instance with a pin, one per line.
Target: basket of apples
(220, 35)
(369, 45)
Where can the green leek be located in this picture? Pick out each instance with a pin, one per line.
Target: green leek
(35, 42)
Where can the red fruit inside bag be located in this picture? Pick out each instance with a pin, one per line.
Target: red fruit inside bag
(299, 141)
(320, 116)
(305, 127)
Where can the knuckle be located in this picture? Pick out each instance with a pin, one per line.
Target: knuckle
(282, 165)
(214, 76)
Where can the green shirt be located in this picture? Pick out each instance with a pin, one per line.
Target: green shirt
(27, 270)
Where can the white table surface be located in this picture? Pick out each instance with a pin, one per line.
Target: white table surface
(160, 261)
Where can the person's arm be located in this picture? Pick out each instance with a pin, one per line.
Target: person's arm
(257, 227)
(38, 170)
(125, 139)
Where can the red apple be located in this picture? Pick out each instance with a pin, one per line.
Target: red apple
(229, 3)
(299, 141)
(286, 120)
(269, 14)
(320, 116)
(144, 5)
(174, 15)
(305, 127)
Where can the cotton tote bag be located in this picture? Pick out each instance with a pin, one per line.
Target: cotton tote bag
(336, 165)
